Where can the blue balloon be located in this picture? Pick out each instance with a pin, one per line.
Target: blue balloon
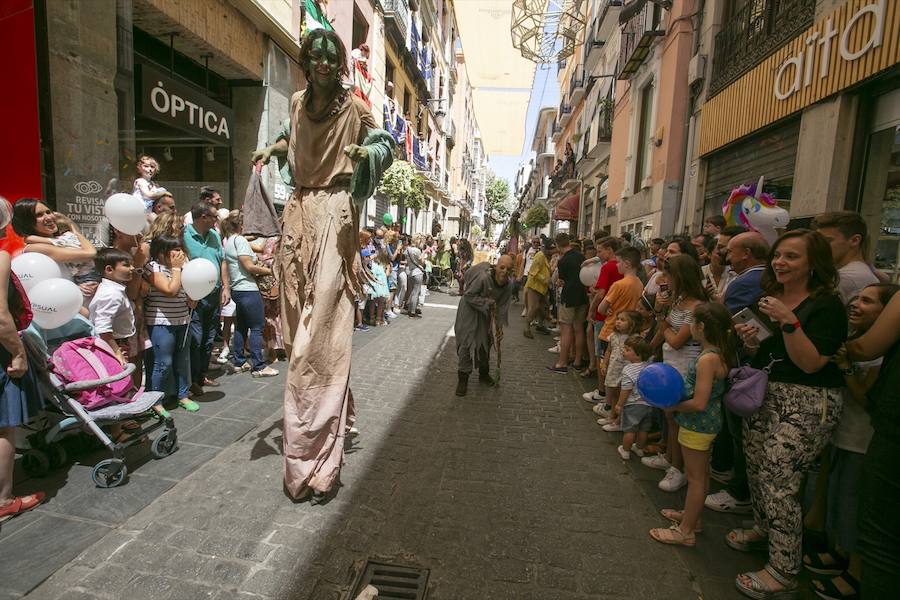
(661, 385)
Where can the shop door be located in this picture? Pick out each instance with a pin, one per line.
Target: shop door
(880, 202)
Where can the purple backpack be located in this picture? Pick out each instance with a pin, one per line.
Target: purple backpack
(88, 359)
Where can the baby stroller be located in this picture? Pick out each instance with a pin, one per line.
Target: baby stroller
(65, 416)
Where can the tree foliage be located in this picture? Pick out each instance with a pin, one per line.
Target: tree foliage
(536, 217)
(402, 182)
(475, 232)
(498, 196)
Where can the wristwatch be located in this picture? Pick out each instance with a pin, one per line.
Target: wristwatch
(790, 327)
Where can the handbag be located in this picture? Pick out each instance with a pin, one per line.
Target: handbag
(747, 388)
(268, 286)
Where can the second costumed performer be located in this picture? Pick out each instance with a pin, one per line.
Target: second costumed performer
(335, 156)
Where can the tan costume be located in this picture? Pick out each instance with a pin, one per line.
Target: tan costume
(317, 268)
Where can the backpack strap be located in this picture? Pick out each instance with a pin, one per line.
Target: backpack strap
(95, 363)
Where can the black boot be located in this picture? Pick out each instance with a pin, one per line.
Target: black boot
(484, 369)
(462, 385)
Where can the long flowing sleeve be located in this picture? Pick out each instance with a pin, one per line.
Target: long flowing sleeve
(477, 294)
(368, 173)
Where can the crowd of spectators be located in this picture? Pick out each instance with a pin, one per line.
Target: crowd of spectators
(809, 311)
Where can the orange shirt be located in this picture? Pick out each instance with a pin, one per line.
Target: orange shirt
(623, 295)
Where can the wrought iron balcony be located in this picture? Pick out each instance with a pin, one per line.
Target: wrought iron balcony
(638, 35)
(565, 113)
(557, 132)
(577, 85)
(754, 32)
(607, 19)
(396, 16)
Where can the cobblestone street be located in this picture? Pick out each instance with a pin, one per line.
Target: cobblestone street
(511, 492)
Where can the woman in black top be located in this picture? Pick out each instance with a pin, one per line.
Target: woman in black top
(802, 405)
(879, 494)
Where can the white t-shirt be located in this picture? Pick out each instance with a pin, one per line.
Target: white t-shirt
(854, 430)
(854, 276)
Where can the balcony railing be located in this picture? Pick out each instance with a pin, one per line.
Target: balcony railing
(576, 85)
(396, 13)
(565, 113)
(637, 38)
(754, 32)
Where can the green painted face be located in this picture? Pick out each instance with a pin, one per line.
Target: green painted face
(324, 61)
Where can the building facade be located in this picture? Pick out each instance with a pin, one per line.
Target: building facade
(814, 108)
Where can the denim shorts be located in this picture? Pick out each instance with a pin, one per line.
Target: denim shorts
(637, 417)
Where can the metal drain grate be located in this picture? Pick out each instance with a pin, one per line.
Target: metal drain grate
(394, 582)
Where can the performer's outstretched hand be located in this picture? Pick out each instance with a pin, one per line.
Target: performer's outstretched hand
(262, 155)
(355, 152)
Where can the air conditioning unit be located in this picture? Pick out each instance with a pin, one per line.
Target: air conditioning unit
(696, 68)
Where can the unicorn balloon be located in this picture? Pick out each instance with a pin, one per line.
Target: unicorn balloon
(750, 207)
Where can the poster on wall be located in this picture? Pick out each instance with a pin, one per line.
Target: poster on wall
(85, 209)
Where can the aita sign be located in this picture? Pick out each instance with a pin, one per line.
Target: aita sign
(862, 32)
(169, 101)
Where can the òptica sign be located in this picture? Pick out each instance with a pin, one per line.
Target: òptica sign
(166, 100)
(814, 60)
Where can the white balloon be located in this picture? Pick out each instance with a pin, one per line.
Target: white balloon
(55, 302)
(590, 274)
(199, 277)
(33, 267)
(223, 213)
(126, 213)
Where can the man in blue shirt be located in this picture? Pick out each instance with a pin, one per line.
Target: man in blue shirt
(201, 240)
(747, 254)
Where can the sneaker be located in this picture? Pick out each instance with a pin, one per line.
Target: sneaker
(722, 501)
(390, 315)
(625, 454)
(553, 329)
(554, 349)
(673, 481)
(602, 410)
(267, 372)
(656, 462)
(223, 356)
(524, 313)
(604, 421)
(612, 426)
(362, 327)
(639, 452)
(720, 476)
(593, 397)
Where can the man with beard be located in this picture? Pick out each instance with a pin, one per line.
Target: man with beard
(484, 305)
(335, 156)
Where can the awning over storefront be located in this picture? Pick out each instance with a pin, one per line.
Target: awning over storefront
(567, 210)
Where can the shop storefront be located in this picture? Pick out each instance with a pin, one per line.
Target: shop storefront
(820, 120)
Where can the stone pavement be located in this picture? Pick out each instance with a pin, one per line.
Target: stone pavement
(511, 492)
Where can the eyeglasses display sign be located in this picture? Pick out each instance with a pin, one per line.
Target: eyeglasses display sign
(166, 100)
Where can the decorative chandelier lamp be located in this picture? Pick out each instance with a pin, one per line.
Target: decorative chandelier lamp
(546, 31)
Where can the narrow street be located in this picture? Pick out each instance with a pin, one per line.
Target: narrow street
(511, 492)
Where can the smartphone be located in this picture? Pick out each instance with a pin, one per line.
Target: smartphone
(748, 317)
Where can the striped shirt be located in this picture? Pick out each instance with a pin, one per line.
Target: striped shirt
(630, 375)
(681, 358)
(160, 309)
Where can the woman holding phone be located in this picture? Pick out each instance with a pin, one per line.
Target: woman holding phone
(803, 402)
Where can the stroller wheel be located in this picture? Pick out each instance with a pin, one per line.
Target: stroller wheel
(165, 444)
(109, 473)
(36, 463)
(58, 455)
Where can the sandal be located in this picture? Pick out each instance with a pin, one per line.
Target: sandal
(20, 504)
(760, 590)
(740, 540)
(676, 515)
(188, 405)
(836, 587)
(825, 563)
(673, 536)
